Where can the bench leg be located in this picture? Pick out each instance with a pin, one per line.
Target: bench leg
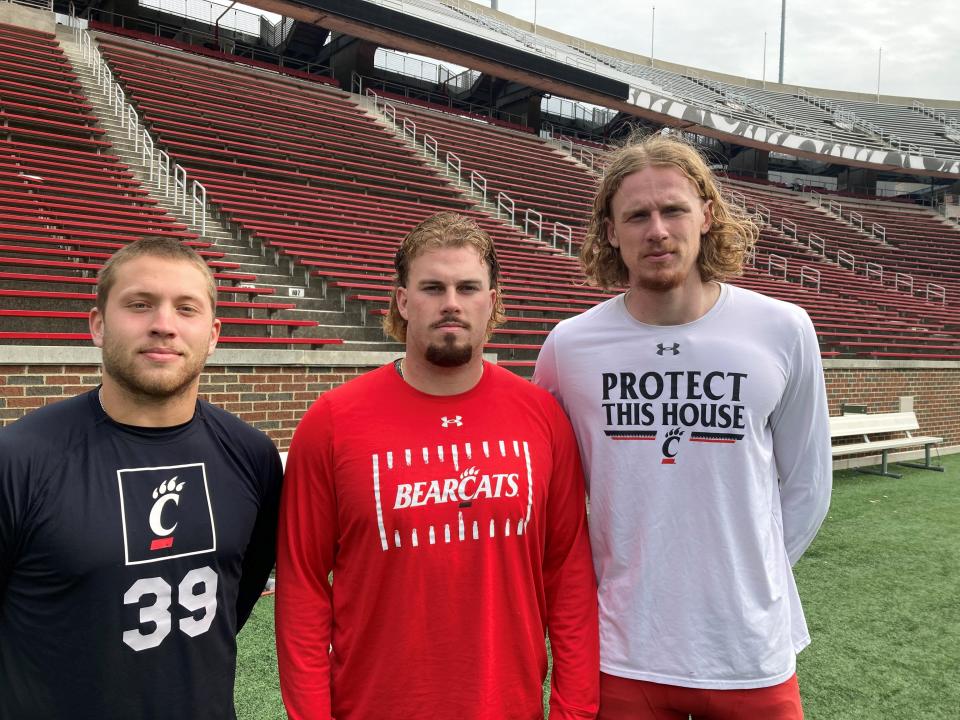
(926, 462)
(884, 468)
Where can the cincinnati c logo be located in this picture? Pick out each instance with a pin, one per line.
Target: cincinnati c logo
(167, 492)
(669, 446)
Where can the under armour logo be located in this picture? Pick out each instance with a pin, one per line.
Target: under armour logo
(675, 348)
(447, 422)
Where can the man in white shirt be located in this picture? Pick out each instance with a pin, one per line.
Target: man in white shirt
(701, 414)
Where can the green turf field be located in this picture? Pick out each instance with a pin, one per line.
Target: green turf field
(881, 590)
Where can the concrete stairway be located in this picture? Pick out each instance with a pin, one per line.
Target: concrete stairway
(337, 319)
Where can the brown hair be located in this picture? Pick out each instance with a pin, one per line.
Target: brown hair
(153, 246)
(443, 230)
(723, 247)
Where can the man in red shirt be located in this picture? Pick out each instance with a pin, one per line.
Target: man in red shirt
(446, 496)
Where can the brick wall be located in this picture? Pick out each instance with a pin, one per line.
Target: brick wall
(270, 398)
(274, 398)
(935, 392)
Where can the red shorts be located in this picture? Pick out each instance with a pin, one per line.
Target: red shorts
(625, 699)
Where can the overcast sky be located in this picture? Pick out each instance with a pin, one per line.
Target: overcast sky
(829, 43)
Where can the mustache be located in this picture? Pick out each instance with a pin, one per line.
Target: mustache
(451, 320)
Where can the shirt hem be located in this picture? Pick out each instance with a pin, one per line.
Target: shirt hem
(701, 683)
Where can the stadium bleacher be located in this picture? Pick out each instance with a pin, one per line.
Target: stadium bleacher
(324, 185)
(68, 202)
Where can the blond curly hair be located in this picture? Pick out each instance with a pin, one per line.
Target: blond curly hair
(723, 248)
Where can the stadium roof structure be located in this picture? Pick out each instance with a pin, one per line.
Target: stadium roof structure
(913, 139)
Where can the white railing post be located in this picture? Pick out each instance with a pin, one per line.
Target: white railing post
(817, 198)
(904, 280)
(835, 207)
(762, 212)
(532, 217)
(873, 270)
(856, 219)
(811, 274)
(505, 203)
(562, 231)
(479, 183)
(411, 127)
(163, 172)
(846, 259)
(430, 147)
(878, 231)
(453, 165)
(200, 198)
(817, 244)
(788, 227)
(776, 262)
(390, 112)
(937, 291)
(180, 185)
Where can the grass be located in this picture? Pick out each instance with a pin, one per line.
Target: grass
(881, 590)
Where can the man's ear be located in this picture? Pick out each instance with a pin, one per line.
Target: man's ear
(611, 233)
(95, 321)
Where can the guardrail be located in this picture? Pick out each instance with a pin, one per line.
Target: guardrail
(168, 176)
(845, 259)
(776, 262)
(902, 279)
(810, 274)
(936, 291)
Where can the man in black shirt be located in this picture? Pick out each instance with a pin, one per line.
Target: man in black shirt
(137, 522)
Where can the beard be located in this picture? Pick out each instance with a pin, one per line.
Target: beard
(661, 282)
(161, 384)
(449, 354)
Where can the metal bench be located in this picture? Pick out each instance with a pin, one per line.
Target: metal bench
(865, 425)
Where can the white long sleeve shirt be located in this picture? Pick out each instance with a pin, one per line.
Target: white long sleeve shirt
(706, 450)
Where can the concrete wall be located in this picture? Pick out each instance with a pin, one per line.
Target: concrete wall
(33, 18)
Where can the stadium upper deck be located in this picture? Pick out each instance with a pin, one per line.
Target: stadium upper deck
(907, 137)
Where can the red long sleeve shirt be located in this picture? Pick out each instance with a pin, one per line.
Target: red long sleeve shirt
(455, 529)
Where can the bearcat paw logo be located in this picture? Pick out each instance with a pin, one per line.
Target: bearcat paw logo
(669, 449)
(471, 473)
(167, 487)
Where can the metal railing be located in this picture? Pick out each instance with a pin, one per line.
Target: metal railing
(873, 270)
(562, 231)
(776, 262)
(817, 244)
(845, 259)
(936, 291)
(903, 280)
(809, 274)
(532, 217)
(39, 4)
(168, 176)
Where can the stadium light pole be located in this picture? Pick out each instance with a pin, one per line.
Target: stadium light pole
(763, 76)
(879, 59)
(534, 17)
(783, 25)
(653, 24)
